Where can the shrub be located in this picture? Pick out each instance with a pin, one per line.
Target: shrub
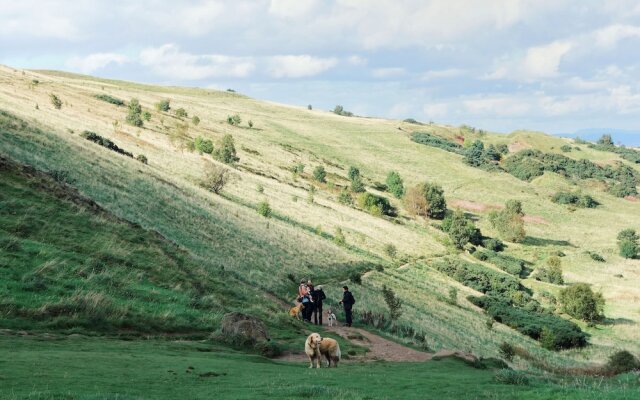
(507, 351)
(134, 116)
(622, 361)
(203, 145)
(339, 110)
(345, 197)
(339, 238)
(264, 209)
(474, 155)
(55, 100)
(234, 119)
(353, 173)
(628, 243)
(580, 200)
(596, 257)
(250, 123)
(319, 174)
(565, 148)
(393, 303)
(565, 334)
(478, 277)
(110, 99)
(142, 158)
(297, 168)
(511, 377)
(432, 140)
(195, 120)
(581, 302)
(163, 105)
(509, 222)
(309, 107)
(376, 205)
(390, 250)
(511, 265)
(215, 178)
(427, 200)
(551, 274)
(226, 151)
(453, 295)
(94, 137)
(356, 185)
(181, 113)
(460, 229)
(355, 277)
(395, 184)
(146, 116)
(493, 244)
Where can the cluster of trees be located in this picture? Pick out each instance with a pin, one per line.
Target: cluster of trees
(479, 156)
(529, 164)
(605, 143)
(575, 199)
(426, 200)
(225, 151)
(628, 243)
(339, 110)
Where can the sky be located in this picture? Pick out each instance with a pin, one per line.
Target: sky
(500, 65)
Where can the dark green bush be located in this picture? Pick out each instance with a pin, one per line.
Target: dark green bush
(426, 200)
(55, 101)
(110, 99)
(376, 205)
(142, 158)
(564, 334)
(203, 145)
(461, 230)
(226, 151)
(628, 243)
(622, 361)
(511, 265)
(507, 351)
(580, 200)
(395, 186)
(551, 274)
(432, 140)
(163, 105)
(94, 137)
(479, 277)
(181, 113)
(596, 257)
(264, 209)
(195, 120)
(345, 197)
(493, 244)
(319, 174)
(565, 148)
(511, 377)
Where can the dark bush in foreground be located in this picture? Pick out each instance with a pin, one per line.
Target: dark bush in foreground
(579, 200)
(94, 137)
(110, 99)
(622, 361)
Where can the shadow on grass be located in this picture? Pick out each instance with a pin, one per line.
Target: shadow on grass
(536, 241)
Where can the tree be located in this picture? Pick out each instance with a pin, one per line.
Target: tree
(250, 123)
(163, 105)
(605, 140)
(264, 209)
(345, 197)
(426, 200)
(215, 177)
(393, 303)
(319, 174)
(234, 119)
(580, 302)
(226, 151)
(55, 100)
(134, 115)
(509, 222)
(628, 243)
(474, 155)
(356, 185)
(395, 185)
(195, 120)
(339, 238)
(460, 229)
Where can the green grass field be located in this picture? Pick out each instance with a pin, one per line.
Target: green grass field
(157, 254)
(92, 368)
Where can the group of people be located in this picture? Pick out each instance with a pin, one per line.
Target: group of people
(312, 298)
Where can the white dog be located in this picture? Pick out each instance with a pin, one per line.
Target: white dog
(331, 317)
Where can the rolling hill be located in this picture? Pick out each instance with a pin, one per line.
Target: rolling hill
(162, 250)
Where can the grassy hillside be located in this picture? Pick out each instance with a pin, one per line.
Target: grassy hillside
(224, 232)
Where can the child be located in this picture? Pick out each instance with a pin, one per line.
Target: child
(331, 317)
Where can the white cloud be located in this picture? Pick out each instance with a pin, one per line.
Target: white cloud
(356, 60)
(46, 19)
(168, 61)
(612, 34)
(392, 72)
(298, 66)
(538, 62)
(291, 8)
(496, 105)
(442, 73)
(435, 111)
(96, 61)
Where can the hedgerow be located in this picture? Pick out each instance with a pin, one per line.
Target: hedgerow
(94, 137)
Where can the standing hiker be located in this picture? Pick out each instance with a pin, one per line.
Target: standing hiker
(317, 296)
(347, 302)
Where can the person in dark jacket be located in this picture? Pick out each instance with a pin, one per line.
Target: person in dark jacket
(310, 306)
(347, 302)
(318, 296)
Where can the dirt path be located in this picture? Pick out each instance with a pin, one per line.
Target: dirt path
(379, 347)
